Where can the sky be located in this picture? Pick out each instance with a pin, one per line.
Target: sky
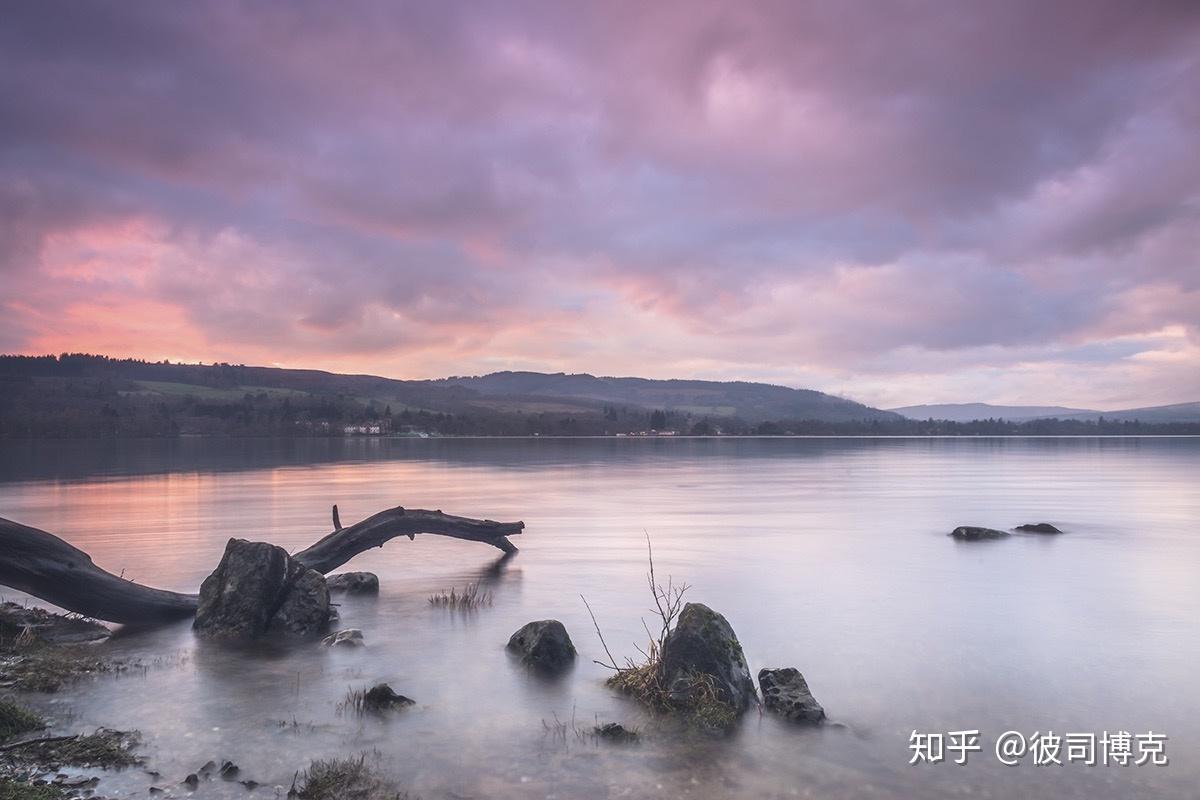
(898, 202)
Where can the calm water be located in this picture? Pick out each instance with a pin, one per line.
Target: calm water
(830, 555)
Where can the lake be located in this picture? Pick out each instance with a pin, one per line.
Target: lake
(829, 555)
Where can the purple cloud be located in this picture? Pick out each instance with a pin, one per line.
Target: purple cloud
(905, 203)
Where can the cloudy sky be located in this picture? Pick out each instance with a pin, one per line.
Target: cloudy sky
(900, 202)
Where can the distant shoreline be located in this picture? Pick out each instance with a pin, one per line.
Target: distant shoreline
(610, 437)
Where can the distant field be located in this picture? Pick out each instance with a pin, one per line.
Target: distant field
(707, 411)
(208, 392)
(534, 406)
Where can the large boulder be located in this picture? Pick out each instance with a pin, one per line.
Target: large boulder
(972, 533)
(353, 582)
(785, 692)
(544, 645)
(703, 646)
(257, 588)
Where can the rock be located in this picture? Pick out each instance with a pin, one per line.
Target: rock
(381, 697)
(350, 637)
(786, 693)
(229, 771)
(972, 533)
(1038, 527)
(258, 587)
(305, 607)
(544, 644)
(615, 731)
(704, 644)
(353, 583)
(250, 785)
(192, 781)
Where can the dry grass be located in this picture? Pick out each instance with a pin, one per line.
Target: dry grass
(563, 732)
(105, 748)
(469, 599)
(696, 697)
(343, 779)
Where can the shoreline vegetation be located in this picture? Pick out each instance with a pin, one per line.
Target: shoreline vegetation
(81, 396)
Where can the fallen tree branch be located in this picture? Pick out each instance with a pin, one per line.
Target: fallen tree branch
(343, 544)
(43, 565)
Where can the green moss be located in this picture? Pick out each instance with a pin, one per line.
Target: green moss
(345, 779)
(19, 790)
(15, 720)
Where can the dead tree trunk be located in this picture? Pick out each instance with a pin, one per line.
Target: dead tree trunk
(43, 565)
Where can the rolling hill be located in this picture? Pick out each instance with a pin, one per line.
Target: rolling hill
(752, 402)
(85, 395)
(967, 412)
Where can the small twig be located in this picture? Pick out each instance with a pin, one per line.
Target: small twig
(612, 661)
(337, 521)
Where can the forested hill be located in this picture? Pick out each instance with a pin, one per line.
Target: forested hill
(88, 395)
(79, 395)
(752, 402)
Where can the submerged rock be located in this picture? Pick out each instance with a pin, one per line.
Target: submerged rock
(544, 644)
(258, 587)
(353, 583)
(703, 648)
(972, 533)
(1038, 527)
(381, 697)
(350, 637)
(615, 732)
(786, 693)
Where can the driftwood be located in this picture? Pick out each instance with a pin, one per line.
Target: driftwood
(43, 565)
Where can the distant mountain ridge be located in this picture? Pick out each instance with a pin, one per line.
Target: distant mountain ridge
(968, 412)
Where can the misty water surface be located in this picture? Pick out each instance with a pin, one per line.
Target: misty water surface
(829, 555)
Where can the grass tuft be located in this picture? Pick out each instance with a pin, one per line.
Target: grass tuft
(344, 779)
(15, 720)
(469, 599)
(692, 697)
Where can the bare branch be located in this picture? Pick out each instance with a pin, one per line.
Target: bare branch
(612, 661)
